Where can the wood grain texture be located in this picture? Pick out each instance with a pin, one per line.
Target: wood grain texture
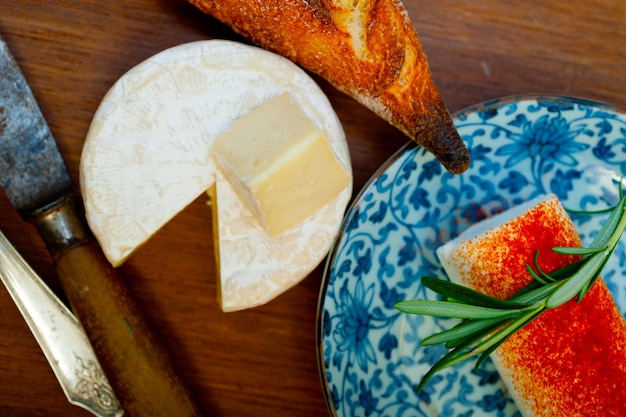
(262, 362)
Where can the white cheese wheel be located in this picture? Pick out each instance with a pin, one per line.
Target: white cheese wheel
(148, 155)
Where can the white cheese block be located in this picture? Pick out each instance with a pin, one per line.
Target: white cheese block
(280, 163)
(148, 154)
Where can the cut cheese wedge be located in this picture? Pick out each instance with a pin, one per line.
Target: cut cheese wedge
(280, 163)
(571, 361)
(149, 153)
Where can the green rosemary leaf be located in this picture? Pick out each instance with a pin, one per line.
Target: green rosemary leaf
(507, 331)
(529, 288)
(483, 356)
(541, 278)
(535, 294)
(479, 335)
(580, 279)
(583, 212)
(610, 225)
(583, 290)
(619, 229)
(588, 285)
(557, 275)
(546, 277)
(565, 272)
(456, 355)
(468, 328)
(515, 326)
(474, 347)
(453, 309)
(466, 295)
(564, 250)
(449, 359)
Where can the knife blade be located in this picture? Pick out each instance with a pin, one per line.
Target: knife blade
(59, 334)
(35, 179)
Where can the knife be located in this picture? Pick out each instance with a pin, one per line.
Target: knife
(59, 335)
(35, 179)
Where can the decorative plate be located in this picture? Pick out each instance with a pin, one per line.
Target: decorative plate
(369, 353)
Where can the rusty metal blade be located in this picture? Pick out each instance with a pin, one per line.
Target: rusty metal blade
(32, 171)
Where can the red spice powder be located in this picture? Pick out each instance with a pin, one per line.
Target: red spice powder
(571, 361)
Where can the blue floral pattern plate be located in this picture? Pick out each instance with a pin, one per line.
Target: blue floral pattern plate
(370, 355)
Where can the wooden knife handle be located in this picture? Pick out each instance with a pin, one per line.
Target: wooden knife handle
(136, 364)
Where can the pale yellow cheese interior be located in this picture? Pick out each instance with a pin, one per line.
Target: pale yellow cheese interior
(280, 164)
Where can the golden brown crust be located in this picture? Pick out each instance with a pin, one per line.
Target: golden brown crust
(368, 49)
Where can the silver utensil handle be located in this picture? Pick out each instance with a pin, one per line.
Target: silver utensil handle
(59, 334)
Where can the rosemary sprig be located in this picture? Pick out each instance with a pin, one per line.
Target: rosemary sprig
(487, 322)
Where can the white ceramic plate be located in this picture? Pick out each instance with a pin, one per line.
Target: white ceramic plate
(369, 353)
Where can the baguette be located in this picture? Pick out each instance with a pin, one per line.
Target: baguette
(571, 360)
(368, 49)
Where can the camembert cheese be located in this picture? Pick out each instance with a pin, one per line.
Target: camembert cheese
(150, 151)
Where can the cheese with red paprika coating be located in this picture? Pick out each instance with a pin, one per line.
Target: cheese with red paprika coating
(571, 360)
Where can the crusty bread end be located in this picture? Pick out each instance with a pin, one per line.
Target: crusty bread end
(368, 49)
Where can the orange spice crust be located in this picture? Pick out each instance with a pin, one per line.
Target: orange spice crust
(571, 360)
(389, 74)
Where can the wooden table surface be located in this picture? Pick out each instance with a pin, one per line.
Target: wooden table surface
(262, 362)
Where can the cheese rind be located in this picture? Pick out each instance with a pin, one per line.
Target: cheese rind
(281, 163)
(571, 360)
(147, 154)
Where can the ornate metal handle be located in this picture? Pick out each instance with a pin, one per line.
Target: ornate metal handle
(59, 335)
